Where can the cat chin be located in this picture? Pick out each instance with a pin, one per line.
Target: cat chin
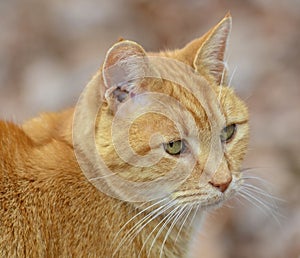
(214, 205)
(208, 206)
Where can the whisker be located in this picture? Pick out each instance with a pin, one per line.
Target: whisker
(265, 207)
(245, 175)
(166, 220)
(259, 179)
(273, 207)
(221, 85)
(246, 197)
(140, 226)
(177, 217)
(188, 211)
(262, 192)
(256, 194)
(257, 199)
(250, 169)
(139, 213)
(232, 75)
(227, 205)
(131, 234)
(167, 234)
(239, 200)
(194, 215)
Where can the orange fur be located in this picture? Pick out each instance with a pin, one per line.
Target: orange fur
(50, 209)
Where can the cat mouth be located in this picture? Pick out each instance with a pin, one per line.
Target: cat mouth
(201, 200)
(204, 200)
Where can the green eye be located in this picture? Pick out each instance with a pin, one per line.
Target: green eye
(174, 147)
(227, 133)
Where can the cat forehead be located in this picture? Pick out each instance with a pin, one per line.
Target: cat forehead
(192, 102)
(173, 122)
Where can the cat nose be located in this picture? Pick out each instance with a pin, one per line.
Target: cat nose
(221, 181)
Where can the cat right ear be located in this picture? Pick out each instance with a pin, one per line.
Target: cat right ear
(206, 54)
(123, 69)
(209, 58)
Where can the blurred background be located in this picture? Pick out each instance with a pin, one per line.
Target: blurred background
(50, 49)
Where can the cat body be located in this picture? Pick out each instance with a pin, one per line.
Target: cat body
(51, 208)
(56, 212)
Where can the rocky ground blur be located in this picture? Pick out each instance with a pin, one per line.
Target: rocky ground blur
(50, 49)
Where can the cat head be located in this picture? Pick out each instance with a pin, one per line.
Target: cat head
(164, 125)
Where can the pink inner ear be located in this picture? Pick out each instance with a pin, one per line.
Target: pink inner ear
(124, 66)
(122, 50)
(124, 62)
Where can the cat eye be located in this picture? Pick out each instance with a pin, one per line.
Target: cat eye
(175, 147)
(227, 133)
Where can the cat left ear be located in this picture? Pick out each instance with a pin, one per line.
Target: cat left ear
(122, 70)
(209, 59)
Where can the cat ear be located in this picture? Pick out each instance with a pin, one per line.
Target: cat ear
(209, 59)
(123, 68)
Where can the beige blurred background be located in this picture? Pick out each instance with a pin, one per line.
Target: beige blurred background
(50, 49)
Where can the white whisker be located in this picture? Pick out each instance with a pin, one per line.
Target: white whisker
(153, 215)
(139, 213)
(263, 206)
(261, 192)
(187, 211)
(175, 220)
(247, 198)
(237, 197)
(270, 202)
(232, 75)
(167, 220)
(194, 215)
(259, 179)
(131, 234)
(221, 84)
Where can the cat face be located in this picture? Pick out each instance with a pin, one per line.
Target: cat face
(169, 124)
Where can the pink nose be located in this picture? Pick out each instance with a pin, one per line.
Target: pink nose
(221, 183)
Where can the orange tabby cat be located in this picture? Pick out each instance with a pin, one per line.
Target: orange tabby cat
(130, 171)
